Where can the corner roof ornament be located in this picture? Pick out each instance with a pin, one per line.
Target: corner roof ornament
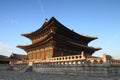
(46, 20)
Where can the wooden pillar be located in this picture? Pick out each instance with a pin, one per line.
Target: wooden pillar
(36, 55)
(62, 53)
(42, 57)
(27, 56)
(44, 54)
(40, 54)
(32, 55)
(52, 52)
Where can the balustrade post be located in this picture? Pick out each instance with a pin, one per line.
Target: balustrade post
(82, 55)
(104, 57)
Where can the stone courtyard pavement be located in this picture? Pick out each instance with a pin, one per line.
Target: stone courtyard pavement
(12, 75)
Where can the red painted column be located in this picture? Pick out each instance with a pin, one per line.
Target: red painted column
(36, 55)
(40, 54)
(62, 53)
(52, 52)
(27, 55)
(32, 55)
(44, 54)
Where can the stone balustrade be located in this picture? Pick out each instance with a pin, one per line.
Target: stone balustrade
(94, 59)
(114, 62)
(78, 59)
(65, 58)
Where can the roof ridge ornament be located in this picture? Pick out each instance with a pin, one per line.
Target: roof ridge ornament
(46, 20)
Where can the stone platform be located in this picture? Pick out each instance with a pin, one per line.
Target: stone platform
(12, 75)
(76, 67)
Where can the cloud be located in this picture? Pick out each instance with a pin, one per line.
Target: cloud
(5, 49)
(41, 8)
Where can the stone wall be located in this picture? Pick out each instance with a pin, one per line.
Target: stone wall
(76, 65)
(19, 67)
(15, 75)
(4, 67)
(84, 69)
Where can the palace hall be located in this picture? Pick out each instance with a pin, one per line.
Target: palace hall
(53, 39)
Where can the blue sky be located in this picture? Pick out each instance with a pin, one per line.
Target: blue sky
(99, 18)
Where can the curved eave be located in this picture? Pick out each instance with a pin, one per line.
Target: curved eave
(31, 34)
(86, 37)
(26, 34)
(23, 46)
(89, 38)
(5, 59)
(87, 47)
(43, 27)
(58, 40)
(96, 49)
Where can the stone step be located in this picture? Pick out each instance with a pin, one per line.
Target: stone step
(27, 69)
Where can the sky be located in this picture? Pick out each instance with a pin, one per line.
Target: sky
(100, 18)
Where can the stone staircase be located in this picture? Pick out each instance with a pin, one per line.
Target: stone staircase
(27, 69)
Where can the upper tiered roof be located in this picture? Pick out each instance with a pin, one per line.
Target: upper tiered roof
(61, 27)
(59, 36)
